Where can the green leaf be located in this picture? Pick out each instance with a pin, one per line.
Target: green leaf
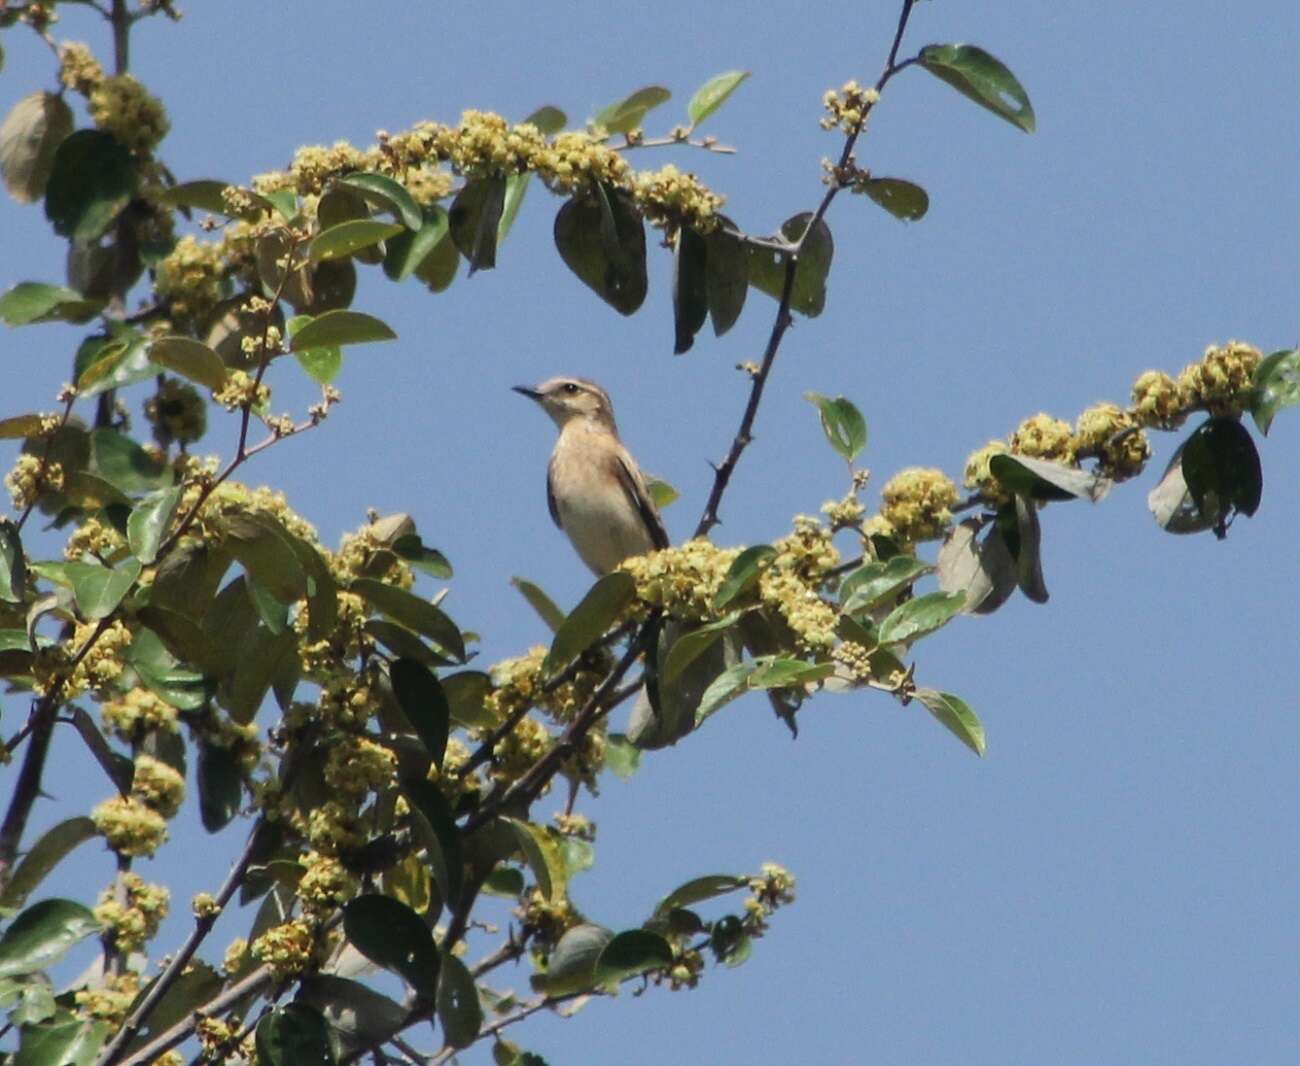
(348, 237)
(984, 570)
(955, 716)
(29, 138)
(627, 114)
(726, 279)
(389, 195)
(465, 694)
(977, 75)
(192, 989)
(920, 616)
(699, 889)
(391, 935)
(458, 1006)
(204, 194)
(713, 94)
(442, 839)
(1277, 385)
(361, 1017)
(438, 269)
(112, 362)
(548, 119)
(407, 251)
(321, 364)
(13, 564)
(577, 854)
(775, 672)
(1222, 469)
(516, 187)
(767, 268)
(40, 935)
(1025, 546)
(34, 301)
(64, 1043)
(600, 608)
(902, 199)
(181, 635)
(662, 494)
(690, 288)
(572, 965)
(149, 522)
(843, 424)
(413, 612)
(410, 548)
(540, 602)
(724, 688)
(93, 177)
(423, 703)
(600, 237)
(542, 853)
(632, 952)
(119, 768)
(475, 219)
(17, 427)
(621, 756)
(293, 1035)
(263, 548)
(122, 462)
(190, 359)
(875, 582)
(340, 327)
(690, 646)
(49, 850)
(263, 658)
(97, 589)
(221, 790)
(1040, 479)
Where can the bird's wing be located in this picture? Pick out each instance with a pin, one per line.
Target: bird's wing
(635, 487)
(550, 493)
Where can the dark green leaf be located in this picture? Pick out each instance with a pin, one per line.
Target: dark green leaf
(699, 889)
(182, 636)
(322, 590)
(220, 780)
(1222, 469)
(362, 1018)
(1040, 479)
(691, 645)
(1277, 385)
(726, 279)
(1171, 503)
(985, 571)
(204, 194)
(690, 293)
(458, 1006)
(621, 755)
(264, 549)
(340, 327)
(97, 589)
(407, 251)
(119, 768)
(875, 582)
(149, 522)
(262, 659)
(40, 935)
(724, 688)
(322, 364)
(900, 198)
(713, 94)
(48, 851)
(475, 219)
(542, 853)
(774, 672)
(516, 186)
(442, 840)
(600, 609)
(293, 1035)
(572, 965)
(976, 74)
(413, 612)
(402, 642)
(540, 602)
(955, 716)
(438, 269)
(920, 616)
(192, 989)
(190, 359)
(121, 461)
(632, 952)
(601, 238)
(767, 268)
(505, 882)
(348, 237)
(422, 701)
(842, 423)
(548, 119)
(410, 548)
(465, 694)
(283, 201)
(628, 113)
(34, 301)
(387, 194)
(13, 564)
(63, 1043)
(29, 138)
(391, 935)
(1027, 551)
(92, 179)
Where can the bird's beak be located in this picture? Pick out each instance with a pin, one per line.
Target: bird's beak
(525, 390)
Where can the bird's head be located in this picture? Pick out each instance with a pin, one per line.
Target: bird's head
(566, 399)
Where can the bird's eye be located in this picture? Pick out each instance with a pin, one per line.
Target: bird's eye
(571, 388)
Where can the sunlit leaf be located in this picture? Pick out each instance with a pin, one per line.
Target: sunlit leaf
(955, 716)
(699, 889)
(1041, 479)
(41, 934)
(976, 74)
(627, 114)
(34, 301)
(1277, 385)
(920, 616)
(149, 522)
(713, 94)
(190, 359)
(43, 856)
(387, 194)
(542, 853)
(600, 608)
(341, 327)
(690, 646)
(843, 424)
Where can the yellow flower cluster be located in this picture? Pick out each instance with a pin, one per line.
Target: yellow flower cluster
(1222, 380)
(791, 583)
(312, 168)
(345, 701)
(126, 109)
(242, 390)
(450, 781)
(1158, 402)
(368, 553)
(485, 145)
(517, 683)
(177, 413)
(234, 497)
(79, 70)
(286, 948)
(235, 957)
(683, 581)
(129, 826)
(544, 921)
(134, 922)
(585, 764)
(330, 828)
(979, 477)
(158, 785)
(575, 825)
(428, 186)
(669, 199)
(1113, 435)
(217, 1038)
(204, 905)
(357, 765)
(686, 970)
(855, 658)
(30, 478)
(576, 160)
(110, 1000)
(917, 504)
(1041, 436)
(326, 883)
(323, 660)
(94, 538)
(845, 513)
(516, 752)
(103, 663)
(190, 280)
(848, 107)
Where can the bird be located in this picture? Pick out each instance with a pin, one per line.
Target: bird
(595, 490)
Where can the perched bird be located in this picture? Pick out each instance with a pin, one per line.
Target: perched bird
(594, 489)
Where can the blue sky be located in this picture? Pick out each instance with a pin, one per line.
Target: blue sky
(1116, 881)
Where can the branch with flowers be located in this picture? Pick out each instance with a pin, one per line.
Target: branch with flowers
(393, 796)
